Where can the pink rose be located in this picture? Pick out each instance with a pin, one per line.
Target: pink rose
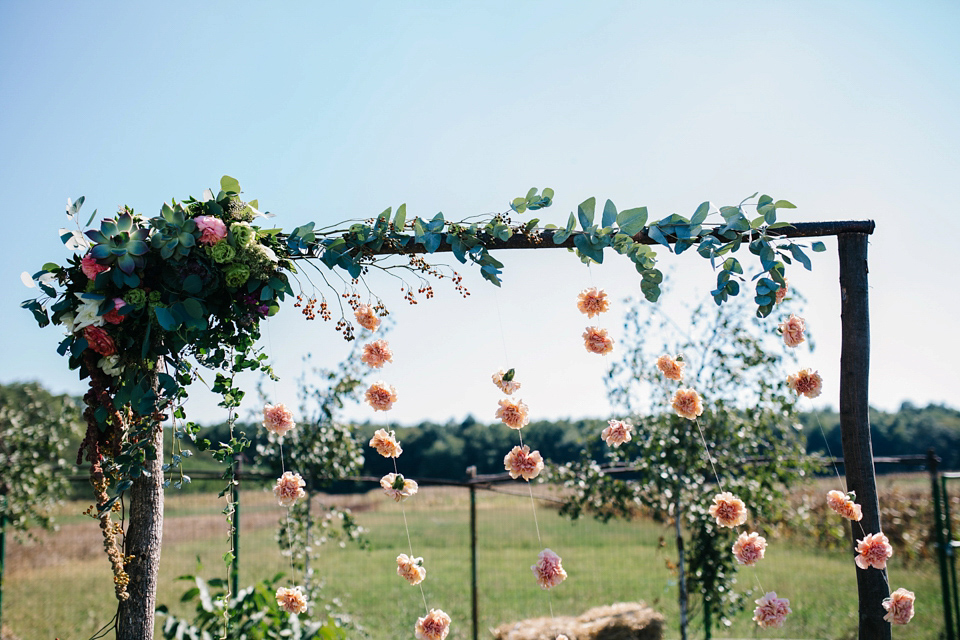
(100, 341)
(113, 316)
(90, 266)
(212, 230)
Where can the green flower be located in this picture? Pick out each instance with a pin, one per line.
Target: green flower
(222, 252)
(242, 233)
(154, 298)
(236, 209)
(236, 275)
(259, 260)
(136, 298)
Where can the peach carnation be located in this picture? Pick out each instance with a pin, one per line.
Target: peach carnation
(844, 505)
(433, 626)
(771, 611)
(505, 381)
(899, 606)
(686, 402)
(597, 341)
(806, 383)
(792, 330)
(749, 548)
(411, 569)
(521, 463)
(513, 414)
(873, 551)
(100, 341)
(670, 368)
(618, 432)
(381, 396)
(728, 509)
(376, 354)
(398, 487)
(593, 302)
(278, 419)
(386, 444)
(212, 230)
(289, 488)
(291, 600)
(90, 267)
(781, 293)
(367, 317)
(548, 570)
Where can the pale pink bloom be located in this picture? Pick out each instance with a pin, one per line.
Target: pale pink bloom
(386, 443)
(289, 488)
(367, 317)
(521, 463)
(433, 626)
(782, 292)
(376, 354)
(792, 330)
(617, 433)
(670, 368)
(513, 414)
(411, 569)
(548, 570)
(899, 606)
(90, 267)
(597, 341)
(507, 386)
(728, 509)
(212, 230)
(686, 402)
(291, 600)
(278, 419)
(593, 302)
(749, 548)
(381, 396)
(873, 551)
(113, 316)
(806, 383)
(398, 487)
(771, 611)
(842, 504)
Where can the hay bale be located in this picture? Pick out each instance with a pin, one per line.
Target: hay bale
(621, 621)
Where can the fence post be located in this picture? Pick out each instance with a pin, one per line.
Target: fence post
(471, 476)
(3, 551)
(235, 499)
(932, 461)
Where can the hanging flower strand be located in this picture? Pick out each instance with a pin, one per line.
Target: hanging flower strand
(771, 611)
(292, 600)
(376, 354)
(596, 340)
(367, 317)
(687, 404)
(873, 551)
(513, 414)
(549, 570)
(277, 419)
(289, 489)
(522, 463)
(617, 432)
(505, 381)
(433, 626)
(411, 569)
(728, 509)
(792, 331)
(381, 396)
(899, 606)
(844, 505)
(386, 443)
(749, 548)
(398, 487)
(672, 369)
(805, 383)
(593, 302)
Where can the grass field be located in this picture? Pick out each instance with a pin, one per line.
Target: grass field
(62, 588)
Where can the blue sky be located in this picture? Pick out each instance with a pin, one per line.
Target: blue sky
(327, 111)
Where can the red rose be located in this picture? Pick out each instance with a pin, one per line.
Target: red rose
(100, 341)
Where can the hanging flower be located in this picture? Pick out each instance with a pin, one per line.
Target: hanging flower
(844, 505)
(100, 341)
(289, 488)
(899, 606)
(376, 354)
(386, 444)
(411, 569)
(617, 433)
(749, 548)
(771, 611)
(806, 383)
(90, 267)
(398, 487)
(381, 396)
(521, 463)
(291, 600)
(792, 330)
(113, 316)
(548, 570)
(781, 293)
(277, 419)
(597, 341)
(728, 509)
(670, 368)
(505, 381)
(593, 302)
(686, 402)
(367, 317)
(873, 551)
(433, 626)
(513, 414)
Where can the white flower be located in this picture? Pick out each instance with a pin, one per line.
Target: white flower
(68, 322)
(87, 314)
(110, 365)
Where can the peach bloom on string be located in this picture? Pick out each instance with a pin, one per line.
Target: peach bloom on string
(617, 432)
(792, 330)
(277, 419)
(381, 396)
(805, 383)
(505, 381)
(899, 606)
(398, 487)
(289, 488)
(672, 369)
(781, 293)
(873, 551)
(771, 611)
(367, 317)
(728, 509)
(386, 443)
(548, 570)
(513, 414)
(687, 404)
(91, 268)
(597, 341)
(291, 600)
(522, 463)
(212, 230)
(844, 505)
(411, 569)
(433, 626)
(376, 354)
(749, 548)
(593, 302)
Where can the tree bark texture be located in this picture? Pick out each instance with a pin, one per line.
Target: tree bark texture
(855, 424)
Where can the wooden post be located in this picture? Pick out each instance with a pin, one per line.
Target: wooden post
(475, 609)
(855, 423)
